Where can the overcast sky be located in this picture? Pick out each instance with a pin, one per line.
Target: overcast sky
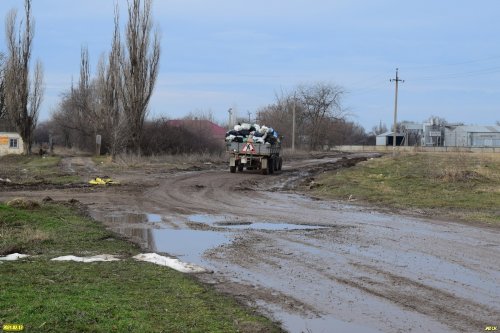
(225, 53)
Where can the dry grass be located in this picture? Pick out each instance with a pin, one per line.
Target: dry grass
(131, 160)
(462, 185)
(22, 203)
(16, 239)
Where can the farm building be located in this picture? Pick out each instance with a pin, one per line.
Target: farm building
(472, 136)
(387, 139)
(10, 143)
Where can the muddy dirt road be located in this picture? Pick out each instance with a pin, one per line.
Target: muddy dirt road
(314, 265)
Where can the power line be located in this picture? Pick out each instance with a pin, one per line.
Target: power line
(465, 62)
(484, 71)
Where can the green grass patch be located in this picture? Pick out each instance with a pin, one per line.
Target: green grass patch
(122, 296)
(458, 185)
(33, 170)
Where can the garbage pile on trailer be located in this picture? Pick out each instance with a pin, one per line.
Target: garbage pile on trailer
(252, 133)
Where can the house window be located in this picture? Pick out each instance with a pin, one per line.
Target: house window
(13, 143)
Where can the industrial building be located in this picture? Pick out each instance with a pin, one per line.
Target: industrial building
(435, 134)
(471, 136)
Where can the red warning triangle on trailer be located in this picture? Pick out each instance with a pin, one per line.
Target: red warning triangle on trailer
(248, 148)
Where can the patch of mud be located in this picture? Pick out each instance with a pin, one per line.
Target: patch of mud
(270, 226)
(41, 186)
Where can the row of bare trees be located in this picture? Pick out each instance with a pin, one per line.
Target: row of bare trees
(114, 103)
(320, 118)
(21, 91)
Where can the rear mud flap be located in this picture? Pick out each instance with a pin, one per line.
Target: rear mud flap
(263, 163)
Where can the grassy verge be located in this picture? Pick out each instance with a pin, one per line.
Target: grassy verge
(455, 185)
(123, 296)
(34, 170)
(161, 163)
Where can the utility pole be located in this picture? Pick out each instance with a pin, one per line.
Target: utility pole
(249, 114)
(230, 121)
(397, 80)
(293, 124)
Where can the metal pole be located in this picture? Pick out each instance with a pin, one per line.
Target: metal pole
(230, 121)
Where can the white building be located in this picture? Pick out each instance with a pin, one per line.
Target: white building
(472, 136)
(10, 143)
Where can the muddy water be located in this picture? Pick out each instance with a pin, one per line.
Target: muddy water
(342, 267)
(191, 245)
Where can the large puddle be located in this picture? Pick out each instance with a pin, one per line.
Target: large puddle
(174, 237)
(224, 222)
(153, 232)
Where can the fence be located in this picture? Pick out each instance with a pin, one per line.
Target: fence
(389, 149)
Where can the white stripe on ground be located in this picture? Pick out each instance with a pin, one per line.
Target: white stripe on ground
(14, 256)
(100, 257)
(170, 262)
(148, 257)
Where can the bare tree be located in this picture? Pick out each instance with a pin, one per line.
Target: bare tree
(139, 65)
(23, 94)
(77, 114)
(2, 85)
(109, 81)
(320, 101)
(379, 129)
(85, 100)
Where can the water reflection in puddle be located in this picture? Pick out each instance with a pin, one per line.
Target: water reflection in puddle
(188, 245)
(223, 222)
(127, 217)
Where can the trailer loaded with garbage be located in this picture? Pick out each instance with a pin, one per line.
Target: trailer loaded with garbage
(254, 147)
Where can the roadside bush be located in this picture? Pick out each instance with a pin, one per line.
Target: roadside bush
(161, 138)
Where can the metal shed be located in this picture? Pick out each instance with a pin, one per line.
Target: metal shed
(472, 136)
(386, 139)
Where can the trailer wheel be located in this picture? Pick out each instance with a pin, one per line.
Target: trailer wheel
(232, 169)
(240, 167)
(280, 163)
(276, 163)
(271, 164)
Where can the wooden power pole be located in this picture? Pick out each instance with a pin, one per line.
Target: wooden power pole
(396, 80)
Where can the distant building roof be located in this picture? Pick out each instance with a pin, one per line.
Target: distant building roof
(390, 134)
(414, 126)
(477, 128)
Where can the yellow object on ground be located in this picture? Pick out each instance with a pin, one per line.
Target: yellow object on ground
(102, 181)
